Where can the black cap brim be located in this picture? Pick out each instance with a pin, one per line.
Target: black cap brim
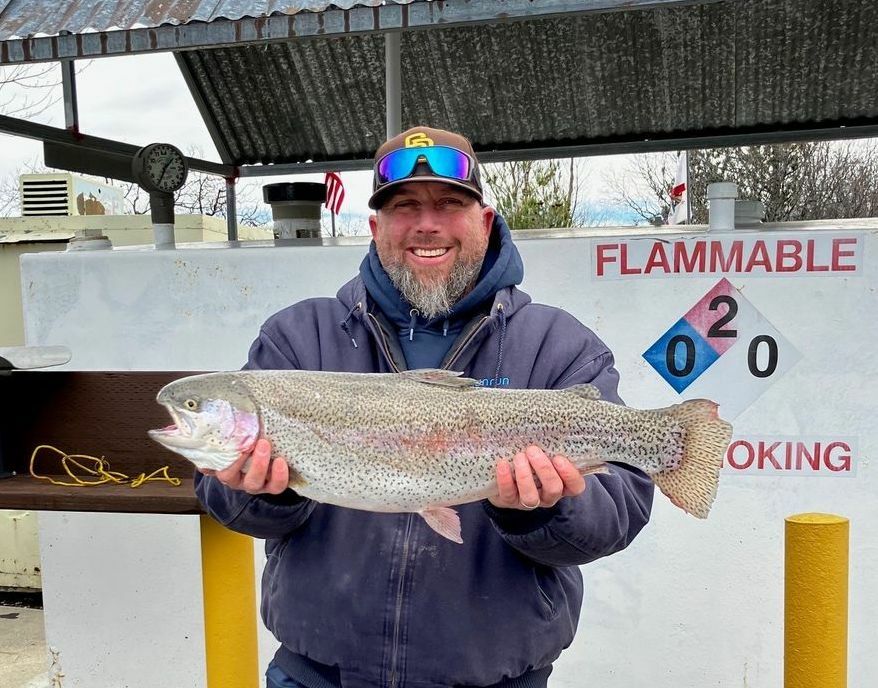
(376, 200)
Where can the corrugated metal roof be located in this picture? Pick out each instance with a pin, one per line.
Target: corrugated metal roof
(674, 71)
(23, 18)
(288, 82)
(38, 31)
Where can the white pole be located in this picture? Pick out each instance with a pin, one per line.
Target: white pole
(688, 192)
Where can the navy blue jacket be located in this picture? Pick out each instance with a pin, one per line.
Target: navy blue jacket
(381, 596)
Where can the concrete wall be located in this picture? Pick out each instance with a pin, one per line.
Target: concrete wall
(19, 235)
(690, 603)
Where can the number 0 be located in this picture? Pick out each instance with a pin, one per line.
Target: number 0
(671, 355)
(771, 364)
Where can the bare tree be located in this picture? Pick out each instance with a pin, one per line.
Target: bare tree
(203, 194)
(346, 224)
(10, 195)
(802, 181)
(28, 90)
(645, 186)
(136, 199)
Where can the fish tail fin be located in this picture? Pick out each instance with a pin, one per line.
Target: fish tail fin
(692, 484)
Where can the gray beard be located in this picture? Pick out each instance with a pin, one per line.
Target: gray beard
(434, 298)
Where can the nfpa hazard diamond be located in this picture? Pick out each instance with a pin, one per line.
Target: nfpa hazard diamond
(724, 349)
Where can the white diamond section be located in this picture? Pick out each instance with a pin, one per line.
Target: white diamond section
(760, 356)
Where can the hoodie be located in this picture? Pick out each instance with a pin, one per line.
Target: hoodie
(373, 599)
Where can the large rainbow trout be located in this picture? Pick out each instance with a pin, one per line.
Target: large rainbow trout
(424, 440)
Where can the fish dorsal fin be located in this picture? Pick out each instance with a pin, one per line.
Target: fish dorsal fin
(586, 391)
(439, 376)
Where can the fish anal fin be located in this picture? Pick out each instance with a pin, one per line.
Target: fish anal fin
(444, 520)
(440, 376)
(693, 484)
(585, 391)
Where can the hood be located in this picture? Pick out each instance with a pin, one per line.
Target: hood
(501, 268)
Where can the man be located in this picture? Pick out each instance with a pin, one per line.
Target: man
(364, 599)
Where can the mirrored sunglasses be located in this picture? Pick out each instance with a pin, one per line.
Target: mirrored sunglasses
(444, 161)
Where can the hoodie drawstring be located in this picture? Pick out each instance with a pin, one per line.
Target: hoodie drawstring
(445, 328)
(344, 323)
(414, 319)
(502, 313)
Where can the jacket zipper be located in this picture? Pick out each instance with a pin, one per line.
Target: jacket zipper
(382, 341)
(466, 342)
(403, 569)
(394, 654)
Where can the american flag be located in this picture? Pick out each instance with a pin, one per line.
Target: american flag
(334, 192)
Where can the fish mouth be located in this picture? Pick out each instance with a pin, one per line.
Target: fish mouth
(177, 435)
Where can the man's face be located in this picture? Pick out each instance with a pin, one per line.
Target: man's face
(431, 239)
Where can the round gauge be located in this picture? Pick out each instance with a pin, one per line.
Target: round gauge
(160, 167)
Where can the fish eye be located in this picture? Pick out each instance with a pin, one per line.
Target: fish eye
(191, 404)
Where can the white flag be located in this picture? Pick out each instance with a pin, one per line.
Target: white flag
(679, 192)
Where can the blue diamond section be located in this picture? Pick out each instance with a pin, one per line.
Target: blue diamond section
(680, 355)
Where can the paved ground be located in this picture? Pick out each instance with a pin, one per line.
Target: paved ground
(22, 648)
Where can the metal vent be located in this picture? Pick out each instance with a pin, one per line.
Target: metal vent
(45, 197)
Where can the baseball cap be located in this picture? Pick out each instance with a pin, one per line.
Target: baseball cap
(424, 154)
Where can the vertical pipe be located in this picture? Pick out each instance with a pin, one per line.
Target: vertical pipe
(393, 85)
(231, 210)
(161, 208)
(229, 584)
(816, 601)
(721, 205)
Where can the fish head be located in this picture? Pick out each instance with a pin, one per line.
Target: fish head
(215, 419)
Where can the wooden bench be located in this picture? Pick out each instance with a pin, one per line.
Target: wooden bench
(101, 414)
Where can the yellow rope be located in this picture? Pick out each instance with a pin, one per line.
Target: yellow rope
(101, 471)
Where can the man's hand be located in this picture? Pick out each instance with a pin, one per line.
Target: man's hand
(518, 490)
(263, 475)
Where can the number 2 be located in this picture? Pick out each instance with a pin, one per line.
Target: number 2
(716, 330)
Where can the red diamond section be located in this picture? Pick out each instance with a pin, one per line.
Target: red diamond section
(713, 317)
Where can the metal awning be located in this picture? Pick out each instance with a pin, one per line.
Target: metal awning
(286, 82)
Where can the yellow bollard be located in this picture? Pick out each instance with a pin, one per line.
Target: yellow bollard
(816, 601)
(229, 585)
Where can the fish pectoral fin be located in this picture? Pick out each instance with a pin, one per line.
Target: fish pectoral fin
(585, 390)
(444, 520)
(439, 376)
(599, 469)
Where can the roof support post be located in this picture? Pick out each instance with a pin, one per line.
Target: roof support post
(231, 210)
(393, 86)
(68, 86)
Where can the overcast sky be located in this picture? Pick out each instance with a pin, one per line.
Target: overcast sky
(143, 98)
